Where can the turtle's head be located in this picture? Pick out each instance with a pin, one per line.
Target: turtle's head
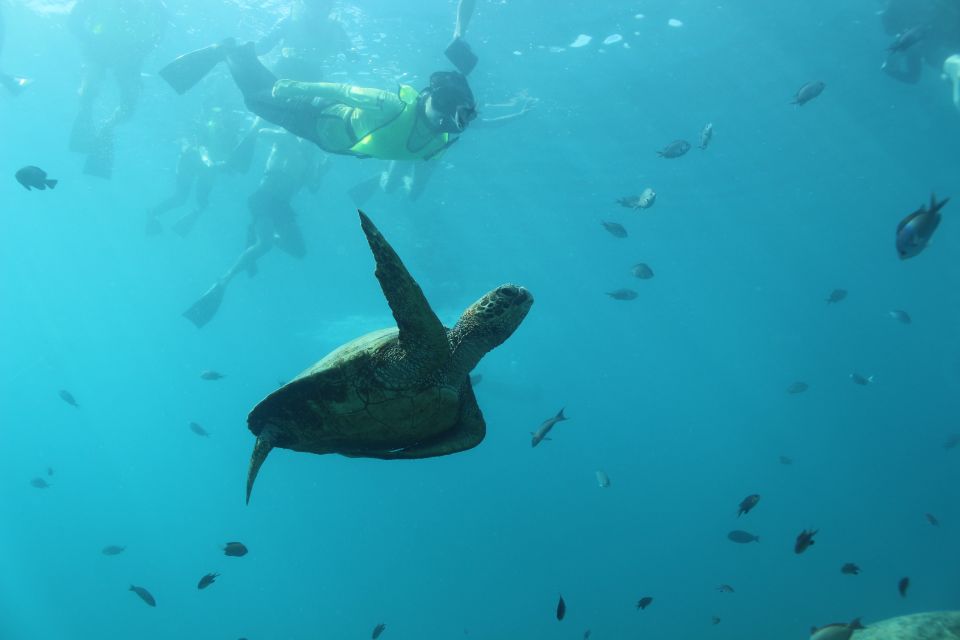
(487, 324)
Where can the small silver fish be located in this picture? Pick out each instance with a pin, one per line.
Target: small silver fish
(541, 433)
(808, 92)
(836, 296)
(861, 380)
(797, 387)
(706, 135)
(615, 229)
(112, 550)
(603, 480)
(645, 200)
(900, 316)
(836, 631)
(211, 375)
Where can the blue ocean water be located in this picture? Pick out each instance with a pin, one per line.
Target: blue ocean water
(679, 395)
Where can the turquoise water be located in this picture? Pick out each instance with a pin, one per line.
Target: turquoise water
(679, 395)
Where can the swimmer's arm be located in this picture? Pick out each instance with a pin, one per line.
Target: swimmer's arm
(359, 97)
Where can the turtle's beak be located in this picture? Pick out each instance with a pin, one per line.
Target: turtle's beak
(260, 451)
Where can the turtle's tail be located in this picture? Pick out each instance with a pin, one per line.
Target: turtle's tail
(260, 451)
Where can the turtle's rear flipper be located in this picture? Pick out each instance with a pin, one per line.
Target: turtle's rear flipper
(202, 311)
(467, 433)
(260, 451)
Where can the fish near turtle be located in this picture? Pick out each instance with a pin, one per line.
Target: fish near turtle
(398, 393)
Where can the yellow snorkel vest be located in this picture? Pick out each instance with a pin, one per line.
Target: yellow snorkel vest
(406, 137)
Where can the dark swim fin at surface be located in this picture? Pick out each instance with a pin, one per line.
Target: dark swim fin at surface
(190, 68)
(461, 55)
(202, 311)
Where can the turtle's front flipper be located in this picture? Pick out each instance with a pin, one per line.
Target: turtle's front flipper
(422, 335)
(467, 433)
(260, 451)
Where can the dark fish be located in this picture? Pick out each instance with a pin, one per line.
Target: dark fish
(34, 177)
(903, 585)
(210, 374)
(644, 602)
(742, 537)
(675, 149)
(561, 608)
(642, 270)
(112, 550)
(39, 483)
(861, 380)
(645, 200)
(900, 315)
(715, 620)
(914, 231)
(476, 378)
(616, 229)
(49, 471)
(804, 540)
(706, 135)
(541, 433)
(836, 296)
(951, 441)
(908, 38)
(748, 503)
(797, 387)
(200, 431)
(725, 588)
(235, 549)
(207, 580)
(67, 397)
(932, 519)
(377, 630)
(586, 635)
(836, 631)
(850, 569)
(786, 460)
(808, 92)
(144, 595)
(623, 294)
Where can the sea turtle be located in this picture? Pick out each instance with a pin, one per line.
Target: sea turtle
(402, 392)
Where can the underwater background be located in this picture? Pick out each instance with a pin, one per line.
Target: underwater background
(679, 395)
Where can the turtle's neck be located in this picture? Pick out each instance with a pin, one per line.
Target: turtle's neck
(469, 342)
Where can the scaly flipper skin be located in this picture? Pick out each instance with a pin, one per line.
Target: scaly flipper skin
(422, 335)
(260, 451)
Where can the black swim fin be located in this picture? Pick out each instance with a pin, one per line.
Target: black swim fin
(461, 55)
(202, 311)
(190, 68)
(100, 161)
(363, 191)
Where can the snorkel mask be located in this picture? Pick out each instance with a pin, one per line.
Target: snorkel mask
(451, 97)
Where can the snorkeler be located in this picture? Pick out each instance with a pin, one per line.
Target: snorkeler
(13, 84)
(308, 37)
(293, 163)
(340, 118)
(114, 36)
(926, 33)
(205, 154)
